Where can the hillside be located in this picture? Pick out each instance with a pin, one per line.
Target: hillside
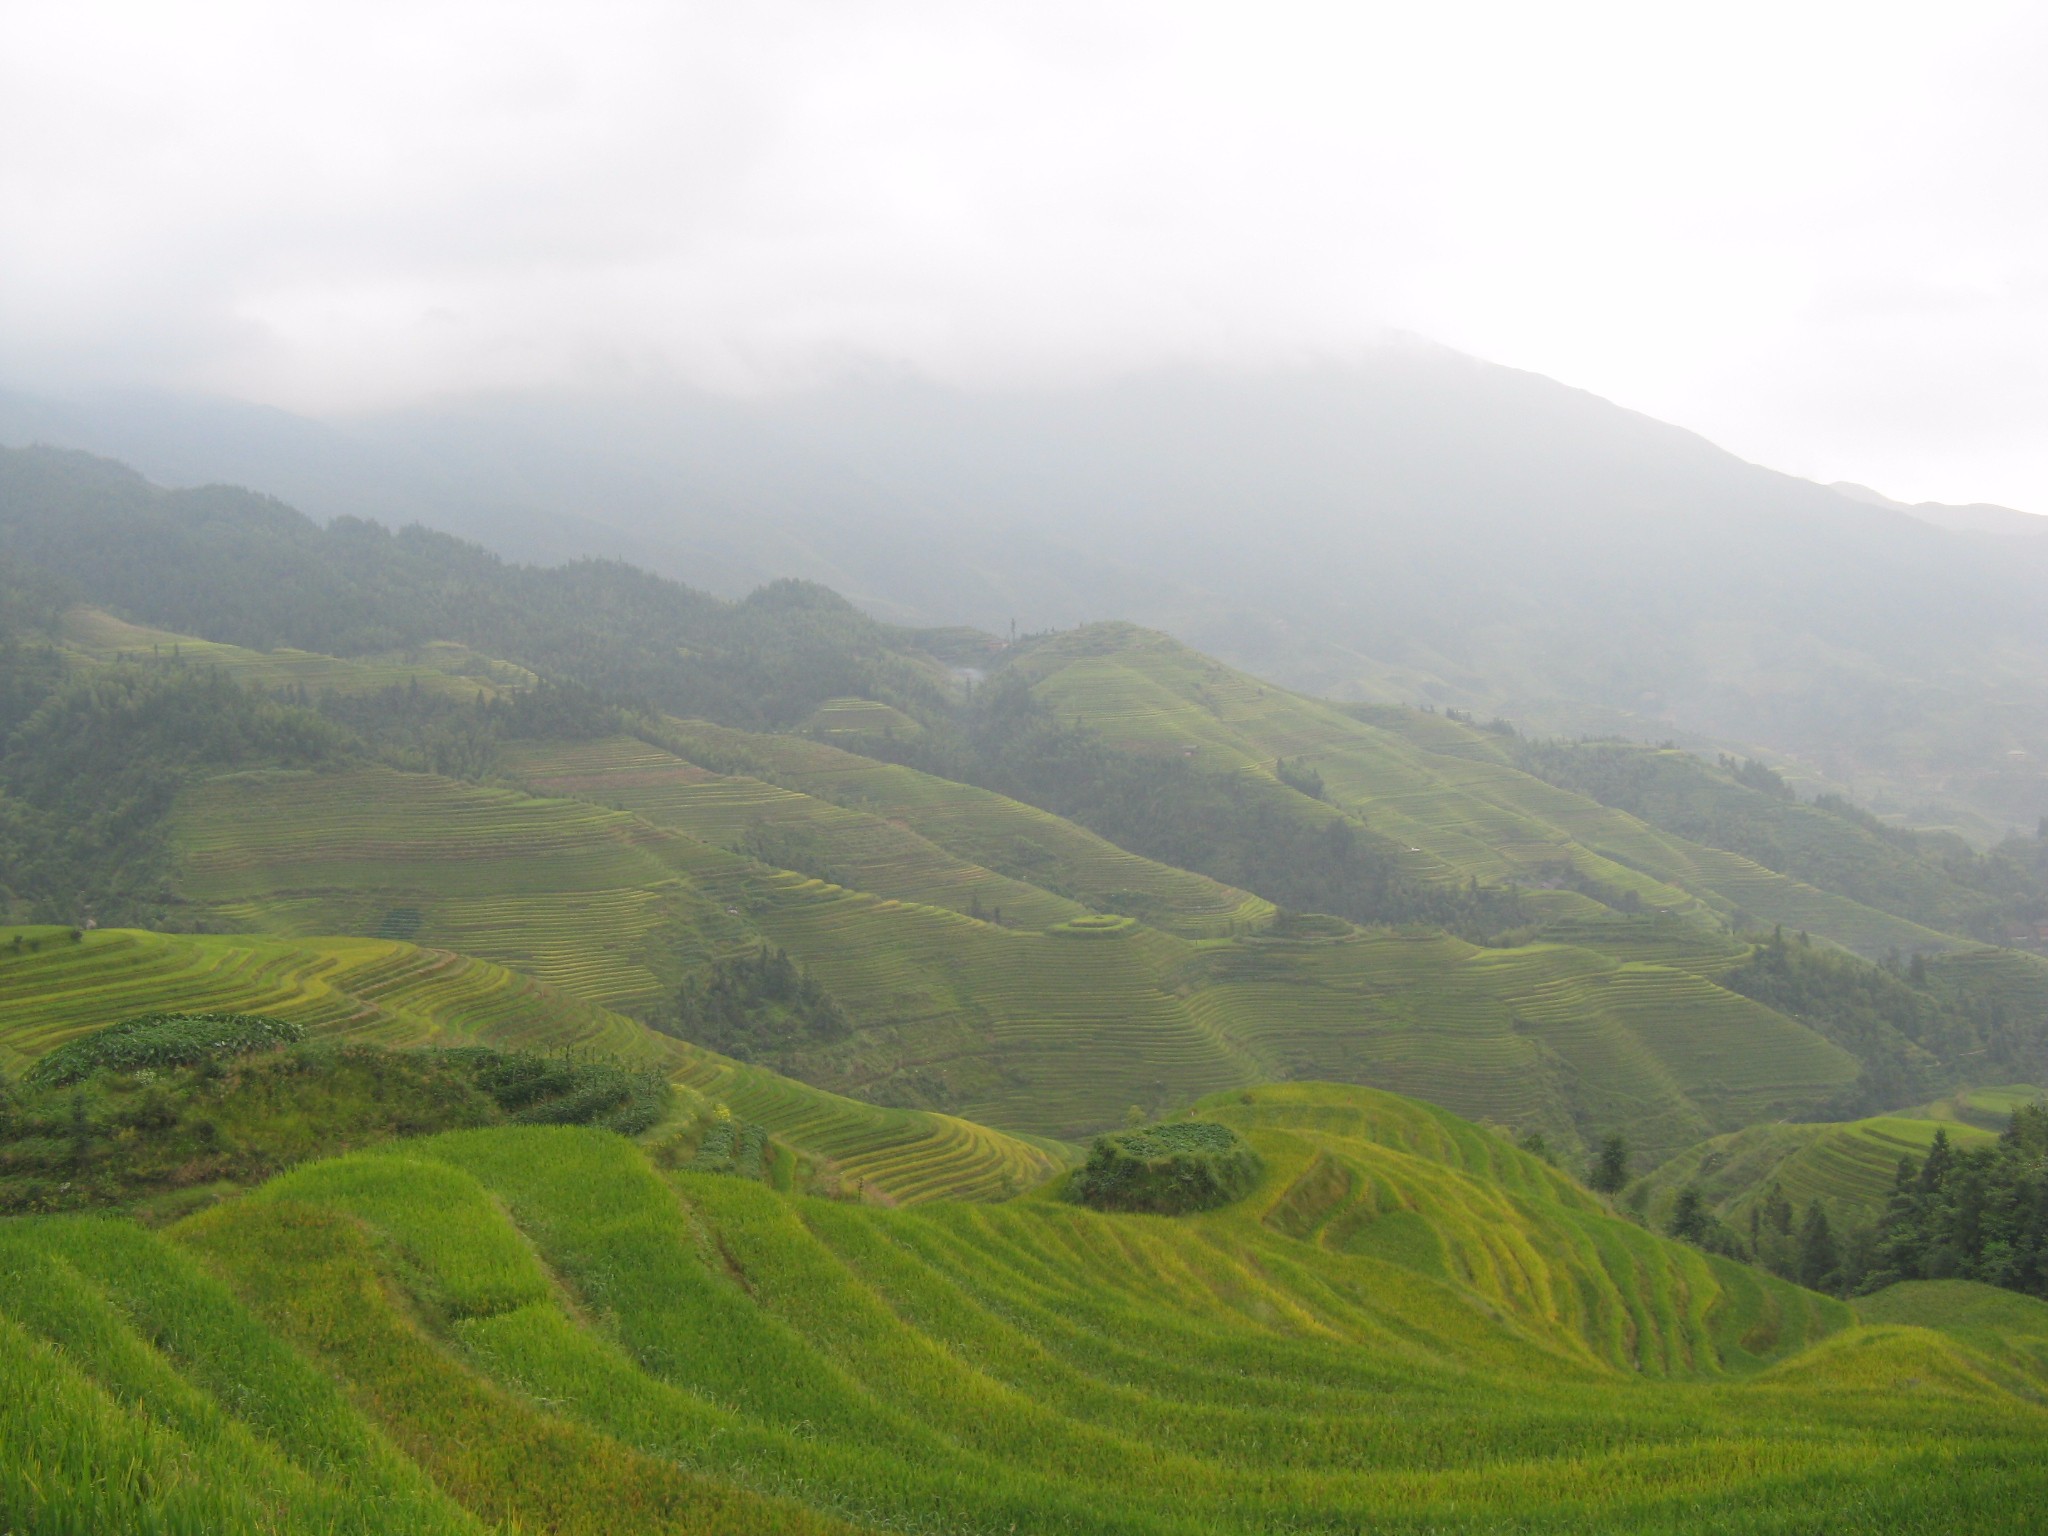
(536, 1326)
(1442, 790)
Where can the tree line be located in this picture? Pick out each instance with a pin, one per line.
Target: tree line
(1977, 1214)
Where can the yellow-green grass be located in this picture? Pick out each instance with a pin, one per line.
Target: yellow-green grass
(442, 667)
(1850, 1165)
(398, 995)
(1407, 1327)
(985, 829)
(1440, 792)
(855, 848)
(2008, 1331)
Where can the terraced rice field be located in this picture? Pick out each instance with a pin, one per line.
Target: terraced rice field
(1850, 1165)
(441, 667)
(858, 717)
(1407, 1327)
(399, 995)
(377, 990)
(853, 848)
(1988, 1109)
(588, 899)
(984, 829)
(1544, 1037)
(895, 1156)
(1055, 1032)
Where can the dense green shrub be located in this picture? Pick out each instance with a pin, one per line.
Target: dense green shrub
(159, 1040)
(158, 1131)
(568, 1089)
(754, 1007)
(1167, 1169)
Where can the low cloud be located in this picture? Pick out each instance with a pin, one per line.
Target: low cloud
(1816, 233)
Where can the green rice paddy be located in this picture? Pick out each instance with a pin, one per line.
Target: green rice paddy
(1406, 1327)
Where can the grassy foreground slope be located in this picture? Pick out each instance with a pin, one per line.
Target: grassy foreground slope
(1406, 1327)
(53, 988)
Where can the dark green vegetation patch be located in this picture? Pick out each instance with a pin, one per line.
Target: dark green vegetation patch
(1169, 1170)
(166, 1136)
(156, 1041)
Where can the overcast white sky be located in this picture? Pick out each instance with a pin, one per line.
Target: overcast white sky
(1817, 233)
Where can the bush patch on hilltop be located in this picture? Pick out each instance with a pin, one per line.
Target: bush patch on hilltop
(1169, 1170)
(161, 1040)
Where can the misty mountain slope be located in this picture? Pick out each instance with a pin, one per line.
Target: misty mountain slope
(1455, 808)
(1410, 525)
(235, 567)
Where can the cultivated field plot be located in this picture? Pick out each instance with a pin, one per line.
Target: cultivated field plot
(53, 988)
(1057, 1031)
(1407, 1327)
(1043, 1032)
(1543, 1037)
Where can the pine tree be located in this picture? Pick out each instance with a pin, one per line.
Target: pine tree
(1934, 1172)
(1689, 1217)
(1818, 1258)
(1610, 1165)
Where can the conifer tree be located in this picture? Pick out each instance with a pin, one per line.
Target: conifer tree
(1610, 1165)
(1818, 1258)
